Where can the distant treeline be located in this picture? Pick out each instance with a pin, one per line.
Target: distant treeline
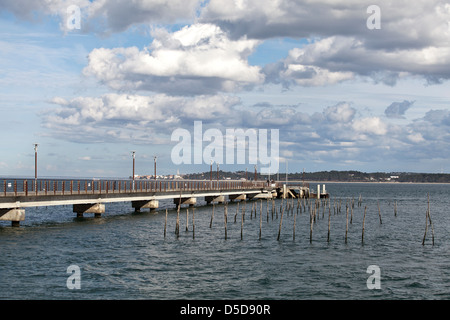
(341, 176)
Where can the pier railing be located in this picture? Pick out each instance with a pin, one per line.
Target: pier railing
(43, 187)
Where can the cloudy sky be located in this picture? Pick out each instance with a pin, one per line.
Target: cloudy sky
(349, 87)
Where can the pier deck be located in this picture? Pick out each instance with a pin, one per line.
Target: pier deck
(90, 196)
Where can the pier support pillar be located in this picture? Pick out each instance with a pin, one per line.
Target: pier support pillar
(218, 199)
(190, 201)
(14, 215)
(144, 204)
(237, 197)
(96, 208)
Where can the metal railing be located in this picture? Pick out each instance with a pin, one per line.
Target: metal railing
(46, 187)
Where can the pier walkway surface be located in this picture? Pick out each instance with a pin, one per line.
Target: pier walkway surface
(90, 196)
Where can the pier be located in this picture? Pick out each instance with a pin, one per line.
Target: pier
(90, 196)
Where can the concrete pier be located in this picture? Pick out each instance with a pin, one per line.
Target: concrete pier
(90, 196)
(214, 199)
(237, 197)
(14, 215)
(96, 208)
(143, 204)
(190, 201)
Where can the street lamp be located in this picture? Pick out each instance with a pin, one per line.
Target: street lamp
(210, 171)
(154, 158)
(133, 154)
(35, 165)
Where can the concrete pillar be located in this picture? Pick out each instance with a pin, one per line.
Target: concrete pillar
(190, 201)
(323, 189)
(318, 191)
(96, 208)
(138, 205)
(14, 215)
(218, 199)
(237, 197)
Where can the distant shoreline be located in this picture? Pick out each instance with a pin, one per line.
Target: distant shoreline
(372, 182)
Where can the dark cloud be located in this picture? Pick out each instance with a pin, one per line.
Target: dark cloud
(398, 109)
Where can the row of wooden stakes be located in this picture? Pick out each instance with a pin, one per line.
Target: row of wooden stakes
(288, 208)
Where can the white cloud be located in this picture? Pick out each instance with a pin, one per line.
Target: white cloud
(198, 58)
(370, 125)
(124, 117)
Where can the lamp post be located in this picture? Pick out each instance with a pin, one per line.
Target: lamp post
(154, 158)
(35, 165)
(210, 171)
(133, 153)
(286, 171)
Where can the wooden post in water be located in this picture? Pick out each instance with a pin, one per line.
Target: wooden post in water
(293, 234)
(310, 226)
(431, 223)
(379, 212)
(260, 221)
(329, 220)
(225, 220)
(212, 216)
(242, 224)
(351, 214)
(193, 223)
(281, 221)
(187, 219)
(177, 227)
(428, 219)
(260, 208)
(426, 228)
(346, 225)
(165, 225)
(273, 207)
(395, 208)
(364, 219)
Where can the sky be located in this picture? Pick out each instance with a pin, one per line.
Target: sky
(349, 85)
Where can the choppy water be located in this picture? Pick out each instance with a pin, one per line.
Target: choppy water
(124, 255)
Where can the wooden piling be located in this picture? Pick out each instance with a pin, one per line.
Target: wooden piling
(165, 225)
(431, 223)
(364, 220)
(193, 223)
(242, 225)
(428, 220)
(395, 208)
(351, 214)
(293, 234)
(346, 225)
(329, 220)
(187, 219)
(426, 228)
(281, 221)
(177, 227)
(212, 216)
(260, 222)
(225, 220)
(379, 212)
